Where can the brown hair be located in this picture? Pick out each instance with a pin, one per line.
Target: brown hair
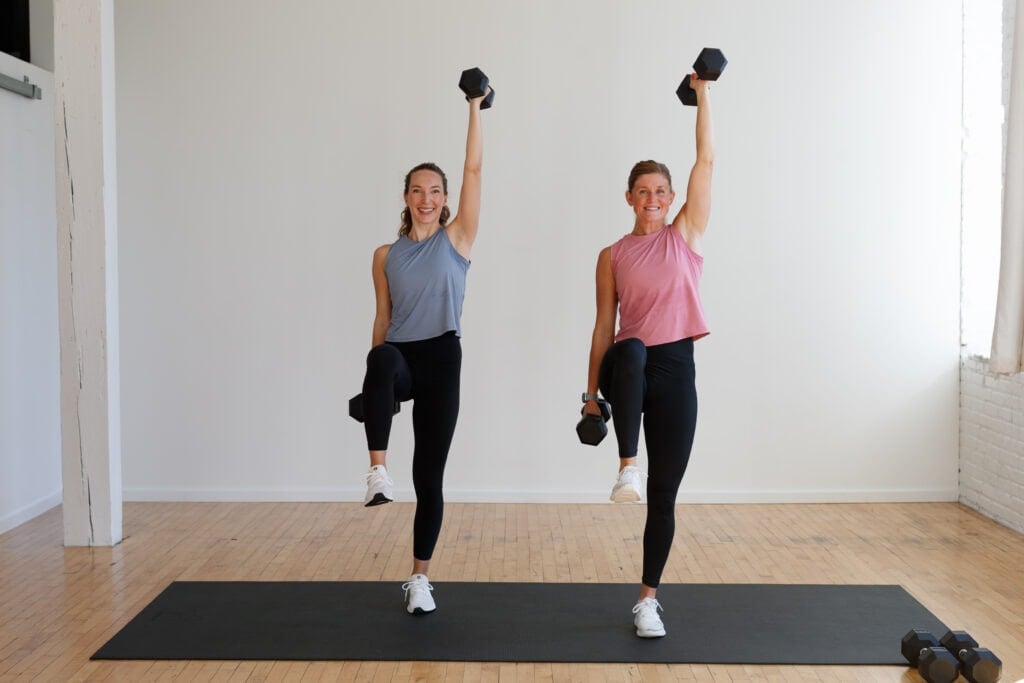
(644, 167)
(406, 215)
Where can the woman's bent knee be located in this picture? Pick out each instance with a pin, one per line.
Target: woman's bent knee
(384, 359)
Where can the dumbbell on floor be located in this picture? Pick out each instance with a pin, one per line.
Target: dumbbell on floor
(355, 408)
(978, 664)
(709, 66)
(935, 663)
(941, 661)
(474, 83)
(924, 652)
(593, 428)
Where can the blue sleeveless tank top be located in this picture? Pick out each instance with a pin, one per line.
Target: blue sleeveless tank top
(428, 283)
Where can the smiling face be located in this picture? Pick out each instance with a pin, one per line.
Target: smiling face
(651, 196)
(425, 196)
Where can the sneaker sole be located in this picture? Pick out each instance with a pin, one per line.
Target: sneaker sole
(625, 497)
(419, 611)
(650, 634)
(378, 499)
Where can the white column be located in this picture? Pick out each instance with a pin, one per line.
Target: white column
(87, 270)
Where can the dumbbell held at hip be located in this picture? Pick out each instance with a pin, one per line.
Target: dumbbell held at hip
(355, 408)
(591, 429)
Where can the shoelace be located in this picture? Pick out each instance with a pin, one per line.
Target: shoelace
(417, 583)
(373, 475)
(637, 472)
(648, 602)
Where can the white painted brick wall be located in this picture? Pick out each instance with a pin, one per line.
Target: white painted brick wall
(992, 443)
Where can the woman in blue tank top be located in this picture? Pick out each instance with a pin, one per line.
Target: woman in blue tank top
(420, 281)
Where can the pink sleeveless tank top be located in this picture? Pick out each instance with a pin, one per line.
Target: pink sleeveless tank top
(656, 280)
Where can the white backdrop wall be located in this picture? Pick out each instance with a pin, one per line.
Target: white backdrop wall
(262, 147)
(30, 480)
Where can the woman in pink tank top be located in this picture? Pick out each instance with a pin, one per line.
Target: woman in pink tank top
(649, 281)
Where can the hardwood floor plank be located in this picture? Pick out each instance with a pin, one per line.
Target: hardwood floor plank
(61, 604)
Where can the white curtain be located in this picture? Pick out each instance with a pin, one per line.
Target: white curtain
(1008, 335)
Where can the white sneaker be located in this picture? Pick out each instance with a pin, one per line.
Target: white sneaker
(417, 595)
(627, 486)
(378, 486)
(648, 623)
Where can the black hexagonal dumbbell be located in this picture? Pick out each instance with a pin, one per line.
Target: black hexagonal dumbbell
(978, 664)
(474, 83)
(935, 663)
(709, 66)
(355, 408)
(938, 665)
(593, 428)
(914, 642)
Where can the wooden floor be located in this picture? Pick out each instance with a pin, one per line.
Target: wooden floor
(58, 605)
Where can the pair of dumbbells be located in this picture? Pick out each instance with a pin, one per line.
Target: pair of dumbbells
(943, 660)
(709, 66)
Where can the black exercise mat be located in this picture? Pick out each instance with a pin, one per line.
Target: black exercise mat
(523, 622)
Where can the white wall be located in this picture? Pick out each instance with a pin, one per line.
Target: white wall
(29, 352)
(992, 443)
(261, 152)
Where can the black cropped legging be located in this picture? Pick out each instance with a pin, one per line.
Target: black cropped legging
(428, 372)
(659, 382)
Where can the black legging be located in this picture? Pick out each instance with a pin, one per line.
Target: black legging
(427, 371)
(657, 381)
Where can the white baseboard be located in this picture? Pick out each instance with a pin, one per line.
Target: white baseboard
(833, 496)
(22, 515)
(481, 496)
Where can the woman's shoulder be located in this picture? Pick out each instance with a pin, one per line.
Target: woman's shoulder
(618, 244)
(380, 254)
(453, 249)
(692, 250)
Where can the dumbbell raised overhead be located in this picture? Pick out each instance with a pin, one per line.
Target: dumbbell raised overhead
(591, 429)
(709, 66)
(474, 83)
(355, 408)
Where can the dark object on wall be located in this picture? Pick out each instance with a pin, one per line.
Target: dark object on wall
(14, 32)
